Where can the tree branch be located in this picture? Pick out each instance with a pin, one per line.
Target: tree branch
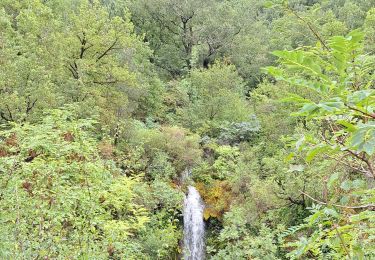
(74, 70)
(316, 34)
(337, 205)
(2, 115)
(360, 111)
(105, 82)
(107, 50)
(30, 104)
(83, 41)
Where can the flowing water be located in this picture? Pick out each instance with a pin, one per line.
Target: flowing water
(194, 228)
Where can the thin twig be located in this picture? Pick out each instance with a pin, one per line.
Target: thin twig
(316, 34)
(360, 111)
(342, 240)
(340, 160)
(337, 205)
(362, 158)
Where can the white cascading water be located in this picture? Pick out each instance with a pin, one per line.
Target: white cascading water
(194, 228)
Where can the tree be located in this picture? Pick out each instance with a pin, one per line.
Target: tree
(169, 27)
(186, 35)
(216, 95)
(370, 31)
(26, 83)
(341, 108)
(59, 55)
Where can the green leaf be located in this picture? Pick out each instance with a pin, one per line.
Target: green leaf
(331, 212)
(344, 200)
(356, 36)
(362, 216)
(349, 126)
(363, 139)
(308, 109)
(333, 179)
(303, 61)
(358, 96)
(289, 157)
(269, 4)
(295, 99)
(315, 151)
(346, 185)
(369, 147)
(358, 184)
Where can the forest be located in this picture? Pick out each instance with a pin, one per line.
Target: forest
(187, 129)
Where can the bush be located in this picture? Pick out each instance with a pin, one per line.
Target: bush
(58, 198)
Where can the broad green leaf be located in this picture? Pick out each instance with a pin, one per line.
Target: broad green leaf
(349, 126)
(331, 212)
(315, 151)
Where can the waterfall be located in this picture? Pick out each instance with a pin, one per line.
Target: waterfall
(194, 228)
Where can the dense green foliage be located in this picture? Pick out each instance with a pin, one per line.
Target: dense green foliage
(105, 103)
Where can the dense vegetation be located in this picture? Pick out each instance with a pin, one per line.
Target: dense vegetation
(105, 103)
